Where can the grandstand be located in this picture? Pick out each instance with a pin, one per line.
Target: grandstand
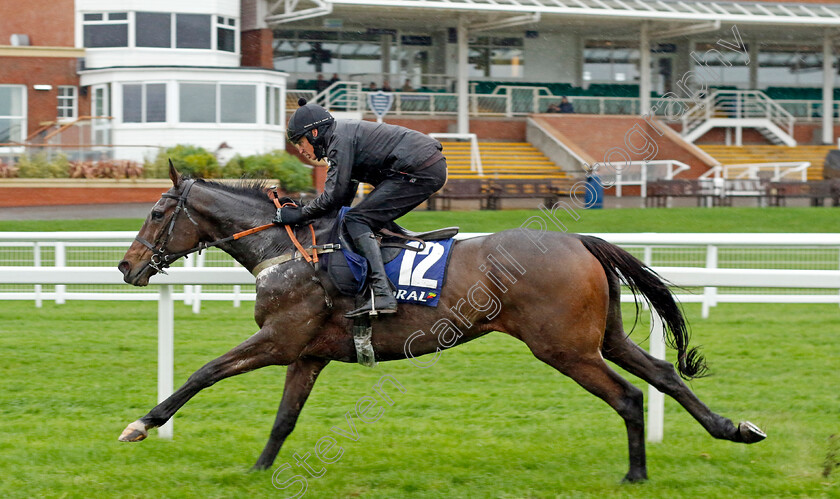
(766, 66)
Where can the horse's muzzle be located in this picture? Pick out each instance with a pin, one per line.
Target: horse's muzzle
(133, 278)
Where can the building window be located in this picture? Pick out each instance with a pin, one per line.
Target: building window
(238, 103)
(218, 103)
(66, 102)
(496, 57)
(198, 102)
(12, 113)
(144, 102)
(105, 29)
(154, 29)
(226, 34)
(192, 31)
(273, 108)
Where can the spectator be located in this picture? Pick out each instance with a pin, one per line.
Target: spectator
(407, 86)
(334, 78)
(566, 106)
(372, 87)
(386, 87)
(321, 84)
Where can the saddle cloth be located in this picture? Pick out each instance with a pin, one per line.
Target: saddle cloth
(418, 276)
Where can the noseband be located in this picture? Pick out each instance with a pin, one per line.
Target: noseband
(160, 258)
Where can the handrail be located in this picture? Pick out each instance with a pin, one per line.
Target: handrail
(750, 170)
(737, 104)
(74, 123)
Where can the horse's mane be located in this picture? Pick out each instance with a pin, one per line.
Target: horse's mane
(254, 188)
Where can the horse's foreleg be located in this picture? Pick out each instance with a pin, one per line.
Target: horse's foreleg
(661, 374)
(300, 378)
(254, 353)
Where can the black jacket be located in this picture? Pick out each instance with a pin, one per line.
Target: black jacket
(368, 152)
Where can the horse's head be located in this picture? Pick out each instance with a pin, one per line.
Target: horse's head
(168, 231)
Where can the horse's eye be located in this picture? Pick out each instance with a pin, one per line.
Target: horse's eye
(157, 215)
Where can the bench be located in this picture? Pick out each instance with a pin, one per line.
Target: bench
(549, 189)
(706, 192)
(461, 189)
(817, 192)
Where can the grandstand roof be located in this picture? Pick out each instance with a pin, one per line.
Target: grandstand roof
(770, 13)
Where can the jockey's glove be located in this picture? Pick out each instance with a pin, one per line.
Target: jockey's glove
(288, 215)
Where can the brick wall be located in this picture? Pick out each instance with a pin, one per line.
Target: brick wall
(47, 22)
(257, 48)
(596, 135)
(43, 104)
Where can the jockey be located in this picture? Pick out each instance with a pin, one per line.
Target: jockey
(405, 167)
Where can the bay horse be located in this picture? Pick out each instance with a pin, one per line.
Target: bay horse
(558, 293)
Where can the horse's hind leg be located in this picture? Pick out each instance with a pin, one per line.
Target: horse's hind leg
(620, 349)
(661, 374)
(593, 374)
(300, 378)
(253, 353)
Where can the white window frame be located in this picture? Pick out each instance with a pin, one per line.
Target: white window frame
(273, 94)
(22, 117)
(106, 20)
(68, 105)
(143, 98)
(229, 23)
(218, 96)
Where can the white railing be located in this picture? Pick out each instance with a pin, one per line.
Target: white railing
(737, 104)
(341, 96)
(779, 171)
(640, 173)
(808, 109)
(55, 251)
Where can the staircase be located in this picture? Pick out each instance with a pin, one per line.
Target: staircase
(509, 160)
(734, 155)
(739, 109)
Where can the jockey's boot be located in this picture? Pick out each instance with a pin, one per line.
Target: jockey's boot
(383, 300)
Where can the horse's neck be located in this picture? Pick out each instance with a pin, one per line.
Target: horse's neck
(226, 219)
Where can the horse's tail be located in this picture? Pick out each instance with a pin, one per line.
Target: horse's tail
(641, 279)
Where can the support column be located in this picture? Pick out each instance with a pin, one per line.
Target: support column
(166, 355)
(385, 49)
(753, 53)
(828, 90)
(644, 69)
(463, 81)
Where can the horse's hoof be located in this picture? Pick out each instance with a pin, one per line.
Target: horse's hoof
(750, 433)
(134, 432)
(634, 477)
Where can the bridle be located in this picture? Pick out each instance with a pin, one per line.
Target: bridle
(161, 258)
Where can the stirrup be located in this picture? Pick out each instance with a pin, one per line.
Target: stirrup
(372, 311)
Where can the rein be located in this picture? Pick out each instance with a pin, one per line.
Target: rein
(160, 259)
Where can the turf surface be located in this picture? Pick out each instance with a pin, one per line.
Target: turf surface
(488, 420)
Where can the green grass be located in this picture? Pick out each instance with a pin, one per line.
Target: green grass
(623, 220)
(487, 421)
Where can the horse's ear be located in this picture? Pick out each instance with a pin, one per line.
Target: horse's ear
(173, 174)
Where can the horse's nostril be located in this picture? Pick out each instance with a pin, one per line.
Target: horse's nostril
(124, 267)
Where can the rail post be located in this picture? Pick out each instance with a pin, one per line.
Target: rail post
(166, 355)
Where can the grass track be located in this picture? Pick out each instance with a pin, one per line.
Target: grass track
(623, 220)
(487, 421)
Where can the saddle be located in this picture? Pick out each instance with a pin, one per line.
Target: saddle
(348, 270)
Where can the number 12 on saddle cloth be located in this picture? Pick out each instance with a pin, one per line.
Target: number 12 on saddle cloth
(419, 275)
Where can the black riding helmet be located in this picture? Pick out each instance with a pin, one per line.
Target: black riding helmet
(307, 118)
